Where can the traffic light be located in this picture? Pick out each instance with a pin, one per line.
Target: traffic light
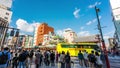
(17, 33)
(12, 33)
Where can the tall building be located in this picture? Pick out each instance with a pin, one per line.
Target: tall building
(69, 35)
(111, 43)
(40, 31)
(115, 5)
(27, 41)
(5, 18)
(89, 39)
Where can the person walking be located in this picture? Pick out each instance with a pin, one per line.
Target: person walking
(52, 58)
(62, 59)
(22, 59)
(47, 58)
(41, 58)
(98, 60)
(67, 60)
(15, 61)
(31, 58)
(81, 58)
(5, 56)
(57, 56)
(37, 58)
(85, 54)
(92, 59)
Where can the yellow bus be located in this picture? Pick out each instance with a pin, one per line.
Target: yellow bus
(75, 47)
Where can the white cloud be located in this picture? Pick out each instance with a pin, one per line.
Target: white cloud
(93, 21)
(84, 33)
(23, 25)
(110, 33)
(59, 32)
(106, 37)
(81, 28)
(88, 23)
(95, 4)
(76, 13)
(67, 29)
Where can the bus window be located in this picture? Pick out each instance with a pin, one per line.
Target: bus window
(65, 46)
(72, 46)
(79, 46)
(94, 46)
(85, 46)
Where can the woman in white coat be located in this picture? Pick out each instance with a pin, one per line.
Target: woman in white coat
(98, 60)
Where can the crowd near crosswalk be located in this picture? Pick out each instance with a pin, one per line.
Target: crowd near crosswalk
(50, 59)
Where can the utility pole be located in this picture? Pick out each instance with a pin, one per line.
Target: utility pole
(102, 40)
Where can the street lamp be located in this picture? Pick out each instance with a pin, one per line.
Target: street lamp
(102, 40)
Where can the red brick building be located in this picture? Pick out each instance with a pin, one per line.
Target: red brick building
(41, 31)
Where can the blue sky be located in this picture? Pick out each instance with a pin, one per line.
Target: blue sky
(78, 15)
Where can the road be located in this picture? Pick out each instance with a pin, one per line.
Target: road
(114, 62)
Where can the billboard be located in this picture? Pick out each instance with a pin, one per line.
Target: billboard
(6, 3)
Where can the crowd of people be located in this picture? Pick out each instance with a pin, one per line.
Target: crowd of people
(93, 60)
(25, 59)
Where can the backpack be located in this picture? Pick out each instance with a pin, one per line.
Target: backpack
(3, 58)
(15, 59)
(22, 57)
(67, 58)
(31, 54)
(92, 58)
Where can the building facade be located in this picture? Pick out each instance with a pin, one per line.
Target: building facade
(69, 35)
(5, 18)
(27, 41)
(40, 31)
(115, 6)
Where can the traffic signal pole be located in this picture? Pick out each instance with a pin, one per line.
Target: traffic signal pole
(3, 38)
(4, 35)
(102, 40)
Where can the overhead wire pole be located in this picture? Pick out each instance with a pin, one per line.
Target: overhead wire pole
(102, 40)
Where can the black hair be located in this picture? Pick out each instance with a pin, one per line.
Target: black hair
(92, 51)
(63, 52)
(96, 53)
(6, 48)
